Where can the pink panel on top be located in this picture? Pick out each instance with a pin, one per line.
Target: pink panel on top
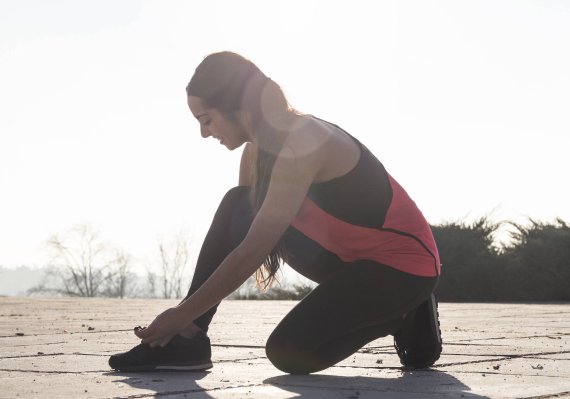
(352, 243)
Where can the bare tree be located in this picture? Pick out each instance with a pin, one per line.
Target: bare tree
(174, 256)
(151, 284)
(119, 281)
(82, 264)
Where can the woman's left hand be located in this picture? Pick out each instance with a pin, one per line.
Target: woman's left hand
(163, 328)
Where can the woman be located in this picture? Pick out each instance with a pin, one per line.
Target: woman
(311, 195)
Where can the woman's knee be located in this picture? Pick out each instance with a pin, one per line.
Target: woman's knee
(290, 357)
(236, 195)
(234, 214)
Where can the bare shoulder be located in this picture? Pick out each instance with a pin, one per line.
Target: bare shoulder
(304, 150)
(307, 137)
(325, 149)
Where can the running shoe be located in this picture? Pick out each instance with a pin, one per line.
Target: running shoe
(180, 354)
(418, 343)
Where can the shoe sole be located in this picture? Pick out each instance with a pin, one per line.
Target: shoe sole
(169, 367)
(435, 327)
(435, 320)
(198, 367)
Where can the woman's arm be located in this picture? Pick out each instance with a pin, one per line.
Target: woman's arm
(287, 190)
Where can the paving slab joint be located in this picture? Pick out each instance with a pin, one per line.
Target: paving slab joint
(185, 391)
(549, 396)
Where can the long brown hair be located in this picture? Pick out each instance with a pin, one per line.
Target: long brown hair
(231, 83)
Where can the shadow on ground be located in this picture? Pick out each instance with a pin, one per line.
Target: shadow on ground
(411, 384)
(165, 383)
(426, 383)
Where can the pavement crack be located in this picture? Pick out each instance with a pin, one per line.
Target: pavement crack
(513, 337)
(463, 344)
(549, 396)
(35, 344)
(503, 357)
(185, 391)
(245, 359)
(54, 372)
(65, 333)
(348, 388)
(36, 355)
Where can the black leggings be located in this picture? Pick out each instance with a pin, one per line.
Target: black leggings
(354, 303)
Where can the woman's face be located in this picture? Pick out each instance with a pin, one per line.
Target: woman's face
(229, 131)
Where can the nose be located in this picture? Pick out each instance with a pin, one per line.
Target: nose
(204, 132)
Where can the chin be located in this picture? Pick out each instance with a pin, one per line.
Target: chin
(232, 147)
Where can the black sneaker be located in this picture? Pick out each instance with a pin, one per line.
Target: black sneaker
(418, 342)
(183, 354)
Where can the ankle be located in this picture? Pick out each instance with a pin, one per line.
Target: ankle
(191, 331)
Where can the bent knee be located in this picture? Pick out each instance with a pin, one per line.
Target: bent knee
(290, 358)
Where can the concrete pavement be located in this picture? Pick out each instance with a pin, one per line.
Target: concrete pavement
(58, 348)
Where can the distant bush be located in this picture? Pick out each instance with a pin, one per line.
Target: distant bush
(534, 267)
(469, 260)
(538, 262)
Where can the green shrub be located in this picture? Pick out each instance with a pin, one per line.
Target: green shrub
(538, 261)
(469, 261)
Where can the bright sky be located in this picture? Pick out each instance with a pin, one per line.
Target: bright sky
(466, 103)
